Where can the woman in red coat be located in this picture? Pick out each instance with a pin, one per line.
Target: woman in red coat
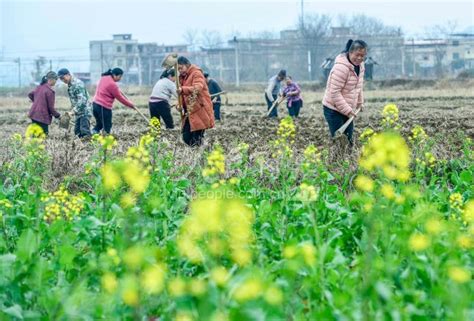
(43, 97)
(198, 111)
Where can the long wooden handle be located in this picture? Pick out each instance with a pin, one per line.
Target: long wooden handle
(346, 124)
(275, 104)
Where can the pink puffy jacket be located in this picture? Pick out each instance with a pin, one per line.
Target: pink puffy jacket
(344, 87)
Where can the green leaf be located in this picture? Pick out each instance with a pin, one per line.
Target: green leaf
(27, 245)
(466, 177)
(67, 253)
(14, 311)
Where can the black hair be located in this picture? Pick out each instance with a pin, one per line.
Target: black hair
(206, 75)
(48, 76)
(167, 73)
(282, 73)
(113, 72)
(353, 45)
(183, 61)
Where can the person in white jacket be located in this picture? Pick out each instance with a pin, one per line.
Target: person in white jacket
(273, 90)
(159, 102)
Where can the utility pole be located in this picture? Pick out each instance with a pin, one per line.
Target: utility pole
(18, 61)
(413, 56)
(309, 65)
(101, 58)
(237, 76)
(302, 13)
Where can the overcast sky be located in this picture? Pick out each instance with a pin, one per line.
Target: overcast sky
(64, 28)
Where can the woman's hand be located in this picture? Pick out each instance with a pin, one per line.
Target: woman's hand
(180, 90)
(352, 114)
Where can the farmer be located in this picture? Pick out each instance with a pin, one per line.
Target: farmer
(214, 89)
(273, 90)
(344, 94)
(159, 102)
(292, 92)
(198, 114)
(81, 106)
(106, 93)
(43, 97)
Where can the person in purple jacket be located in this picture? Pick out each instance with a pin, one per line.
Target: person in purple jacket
(42, 111)
(292, 92)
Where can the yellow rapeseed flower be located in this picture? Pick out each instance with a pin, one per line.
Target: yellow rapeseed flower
(249, 289)
(388, 191)
(468, 212)
(109, 282)
(153, 279)
(418, 242)
(456, 201)
(459, 274)
(220, 276)
(273, 295)
(177, 287)
(434, 226)
(307, 193)
(364, 183)
(134, 257)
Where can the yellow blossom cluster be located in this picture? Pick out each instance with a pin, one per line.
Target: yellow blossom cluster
(417, 134)
(388, 153)
(215, 163)
(428, 161)
(34, 141)
(456, 201)
(307, 193)
(468, 212)
(367, 134)
(140, 156)
(130, 173)
(253, 288)
(459, 274)
(155, 127)
(105, 142)
(312, 157)
(144, 274)
(217, 227)
(305, 251)
(286, 138)
(34, 131)
(62, 205)
(243, 147)
(418, 242)
(390, 115)
(4, 203)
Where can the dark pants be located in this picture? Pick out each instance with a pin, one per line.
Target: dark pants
(82, 127)
(192, 138)
(294, 110)
(274, 112)
(43, 126)
(336, 120)
(161, 109)
(103, 118)
(217, 110)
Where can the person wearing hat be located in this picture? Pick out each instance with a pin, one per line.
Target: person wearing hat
(214, 89)
(159, 103)
(81, 106)
(43, 97)
(273, 90)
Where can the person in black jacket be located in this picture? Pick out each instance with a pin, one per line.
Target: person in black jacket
(214, 88)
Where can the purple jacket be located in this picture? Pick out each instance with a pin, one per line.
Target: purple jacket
(292, 88)
(42, 109)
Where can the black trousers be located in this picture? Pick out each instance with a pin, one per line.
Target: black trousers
(43, 126)
(274, 112)
(217, 110)
(103, 118)
(294, 110)
(192, 138)
(82, 127)
(161, 110)
(336, 120)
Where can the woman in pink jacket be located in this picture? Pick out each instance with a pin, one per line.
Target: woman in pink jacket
(344, 90)
(106, 93)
